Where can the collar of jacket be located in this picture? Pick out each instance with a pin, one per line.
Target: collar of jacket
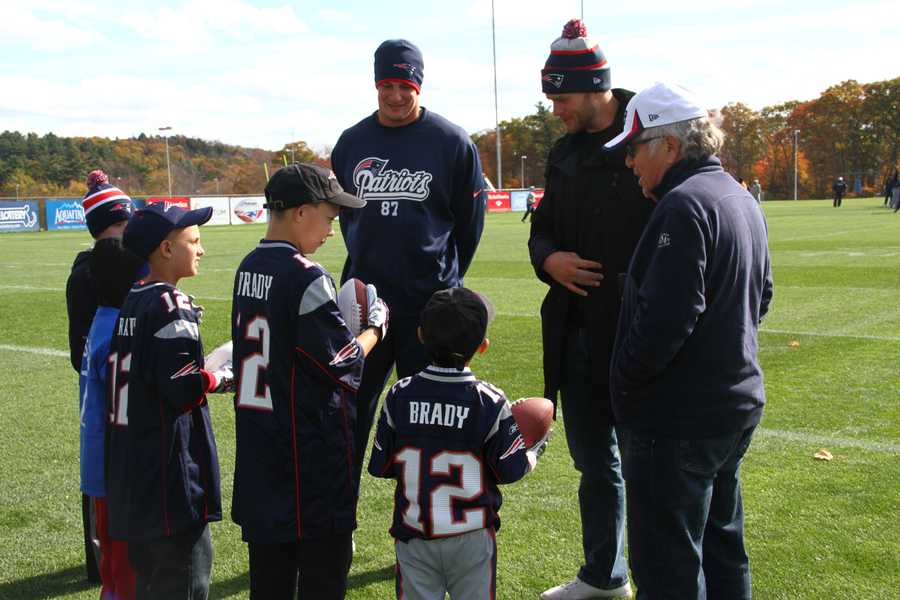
(564, 154)
(684, 169)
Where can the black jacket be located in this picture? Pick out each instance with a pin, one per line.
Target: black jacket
(81, 304)
(617, 212)
(685, 363)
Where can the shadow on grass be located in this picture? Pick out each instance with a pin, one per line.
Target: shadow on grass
(369, 577)
(230, 587)
(48, 585)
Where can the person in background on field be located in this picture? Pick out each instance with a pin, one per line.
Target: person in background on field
(685, 379)
(162, 466)
(890, 182)
(421, 176)
(300, 368)
(838, 188)
(446, 430)
(756, 190)
(583, 233)
(529, 204)
(113, 270)
(106, 210)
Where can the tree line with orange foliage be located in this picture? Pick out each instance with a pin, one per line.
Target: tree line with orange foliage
(48, 165)
(851, 130)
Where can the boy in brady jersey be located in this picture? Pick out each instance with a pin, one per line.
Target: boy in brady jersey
(113, 270)
(298, 369)
(162, 467)
(448, 439)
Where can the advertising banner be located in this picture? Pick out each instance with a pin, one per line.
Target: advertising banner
(18, 216)
(65, 214)
(248, 210)
(182, 201)
(498, 201)
(221, 209)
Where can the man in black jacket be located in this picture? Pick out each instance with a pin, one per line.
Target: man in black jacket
(582, 236)
(686, 383)
(107, 210)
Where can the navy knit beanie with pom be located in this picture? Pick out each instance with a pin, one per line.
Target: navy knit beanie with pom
(575, 64)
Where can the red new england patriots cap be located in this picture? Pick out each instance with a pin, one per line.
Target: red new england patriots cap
(660, 104)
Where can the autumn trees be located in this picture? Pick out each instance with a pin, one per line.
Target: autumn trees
(851, 130)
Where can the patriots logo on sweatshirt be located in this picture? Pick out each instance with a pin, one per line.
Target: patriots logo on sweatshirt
(374, 181)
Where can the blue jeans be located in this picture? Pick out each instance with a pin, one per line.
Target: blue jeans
(686, 516)
(592, 445)
(177, 567)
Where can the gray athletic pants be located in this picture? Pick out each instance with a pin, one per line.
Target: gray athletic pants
(463, 565)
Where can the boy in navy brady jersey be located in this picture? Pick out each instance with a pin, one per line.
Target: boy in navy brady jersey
(162, 469)
(448, 439)
(298, 371)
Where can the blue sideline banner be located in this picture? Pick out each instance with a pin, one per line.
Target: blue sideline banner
(65, 214)
(18, 216)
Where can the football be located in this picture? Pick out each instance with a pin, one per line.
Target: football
(533, 416)
(220, 357)
(353, 303)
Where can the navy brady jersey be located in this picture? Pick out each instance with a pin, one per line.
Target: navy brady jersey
(425, 212)
(297, 369)
(162, 467)
(448, 439)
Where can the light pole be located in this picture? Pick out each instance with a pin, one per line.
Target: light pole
(496, 103)
(796, 144)
(17, 192)
(217, 186)
(168, 167)
(523, 157)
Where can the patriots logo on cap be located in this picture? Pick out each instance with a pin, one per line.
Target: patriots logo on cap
(554, 79)
(410, 69)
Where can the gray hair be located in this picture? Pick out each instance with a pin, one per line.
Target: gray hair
(699, 138)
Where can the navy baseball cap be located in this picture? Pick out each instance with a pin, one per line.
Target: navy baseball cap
(305, 183)
(454, 322)
(151, 225)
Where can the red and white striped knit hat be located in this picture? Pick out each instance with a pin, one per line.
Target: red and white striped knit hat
(104, 204)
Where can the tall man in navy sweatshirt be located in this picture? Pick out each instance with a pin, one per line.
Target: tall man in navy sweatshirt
(686, 384)
(421, 176)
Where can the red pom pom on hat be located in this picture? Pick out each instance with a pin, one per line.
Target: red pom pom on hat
(95, 178)
(574, 29)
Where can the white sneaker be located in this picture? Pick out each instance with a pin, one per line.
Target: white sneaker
(579, 590)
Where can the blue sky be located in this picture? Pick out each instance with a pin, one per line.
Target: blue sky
(259, 72)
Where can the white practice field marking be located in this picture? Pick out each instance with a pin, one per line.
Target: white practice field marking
(32, 288)
(33, 350)
(792, 436)
(882, 338)
(824, 440)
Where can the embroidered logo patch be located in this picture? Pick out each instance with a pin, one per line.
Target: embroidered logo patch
(664, 240)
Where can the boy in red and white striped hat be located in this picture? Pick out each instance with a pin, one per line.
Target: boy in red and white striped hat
(107, 210)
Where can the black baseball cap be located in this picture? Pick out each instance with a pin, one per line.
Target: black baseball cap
(305, 183)
(454, 322)
(152, 224)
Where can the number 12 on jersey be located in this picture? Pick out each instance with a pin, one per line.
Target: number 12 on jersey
(467, 465)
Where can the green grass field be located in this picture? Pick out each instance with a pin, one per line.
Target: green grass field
(815, 529)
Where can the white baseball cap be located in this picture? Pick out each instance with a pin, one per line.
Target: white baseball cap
(660, 104)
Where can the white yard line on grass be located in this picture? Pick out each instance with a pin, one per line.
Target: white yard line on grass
(33, 350)
(31, 288)
(792, 436)
(882, 338)
(824, 440)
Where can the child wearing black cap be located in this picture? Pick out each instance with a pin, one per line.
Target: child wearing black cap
(295, 408)
(449, 439)
(161, 458)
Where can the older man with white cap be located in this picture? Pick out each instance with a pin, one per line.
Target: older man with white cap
(685, 380)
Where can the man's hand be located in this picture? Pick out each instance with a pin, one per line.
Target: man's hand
(573, 272)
